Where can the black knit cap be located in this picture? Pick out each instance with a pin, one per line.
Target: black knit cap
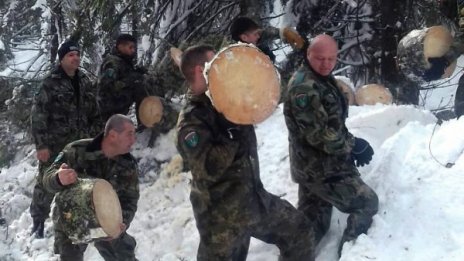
(124, 38)
(242, 25)
(67, 47)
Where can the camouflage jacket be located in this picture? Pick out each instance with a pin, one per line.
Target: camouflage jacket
(223, 160)
(315, 112)
(87, 159)
(117, 82)
(62, 113)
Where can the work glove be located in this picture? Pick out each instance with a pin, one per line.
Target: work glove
(292, 37)
(362, 152)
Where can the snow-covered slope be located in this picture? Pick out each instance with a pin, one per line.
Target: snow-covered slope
(420, 216)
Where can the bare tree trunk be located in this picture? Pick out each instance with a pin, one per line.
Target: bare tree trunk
(404, 90)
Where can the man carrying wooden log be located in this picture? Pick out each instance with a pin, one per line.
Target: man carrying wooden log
(106, 157)
(229, 201)
(121, 83)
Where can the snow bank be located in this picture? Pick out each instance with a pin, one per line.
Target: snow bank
(420, 215)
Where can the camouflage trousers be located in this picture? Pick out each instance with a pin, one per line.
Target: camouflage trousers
(349, 194)
(168, 120)
(41, 198)
(120, 249)
(278, 223)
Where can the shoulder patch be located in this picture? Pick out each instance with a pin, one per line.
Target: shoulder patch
(301, 100)
(110, 73)
(297, 78)
(192, 139)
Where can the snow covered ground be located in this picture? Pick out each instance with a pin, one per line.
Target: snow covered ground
(420, 216)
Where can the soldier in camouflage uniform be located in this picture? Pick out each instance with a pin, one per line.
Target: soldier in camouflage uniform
(61, 113)
(106, 157)
(245, 30)
(322, 151)
(121, 83)
(228, 199)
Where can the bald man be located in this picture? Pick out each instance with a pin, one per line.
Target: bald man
(323, 153)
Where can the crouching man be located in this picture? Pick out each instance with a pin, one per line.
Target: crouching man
(105, 157)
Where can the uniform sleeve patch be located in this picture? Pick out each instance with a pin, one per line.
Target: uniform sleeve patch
(110, 73)
(296, 78)
(301, 100)
(192, 139)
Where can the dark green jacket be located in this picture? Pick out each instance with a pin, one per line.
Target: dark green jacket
(117, 84)
(223, 160)
(315, 113)
(87, 159)
(62, 112)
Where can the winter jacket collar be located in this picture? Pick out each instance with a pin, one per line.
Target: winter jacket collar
(95, 146)
(59, 73)
(202, 98)
(125, 58)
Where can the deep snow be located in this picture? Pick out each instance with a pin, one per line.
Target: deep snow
(420, 216)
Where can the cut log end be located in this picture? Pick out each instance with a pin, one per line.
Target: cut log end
(372, 94)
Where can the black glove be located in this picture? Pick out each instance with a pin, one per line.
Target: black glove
(437, 69)
(362, 152)
(227, 128)
(267, 51)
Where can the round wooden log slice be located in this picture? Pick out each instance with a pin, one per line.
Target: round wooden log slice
(244, 85)
(292, 37)
(107, 207)
(418, 45)
(176, 55)
(150, 111)
(371, 94)
(437, 41)
(89, 210)
(347, 91)
(450, 69)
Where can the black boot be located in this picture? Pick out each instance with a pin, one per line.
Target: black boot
(38, 228)
(2, 221)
